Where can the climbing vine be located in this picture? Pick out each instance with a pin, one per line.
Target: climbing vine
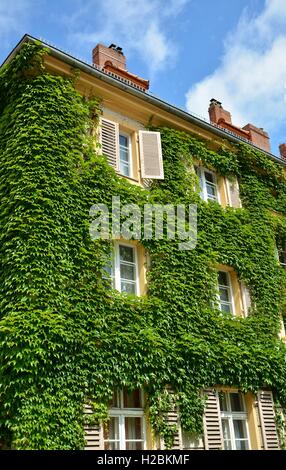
(65, 338)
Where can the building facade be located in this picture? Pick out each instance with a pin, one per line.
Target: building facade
(133, 132)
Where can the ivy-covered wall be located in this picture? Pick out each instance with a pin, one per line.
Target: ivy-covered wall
(64, 336)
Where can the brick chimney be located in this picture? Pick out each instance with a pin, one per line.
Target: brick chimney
(282, 149)
(217, 114)
(102, 55)
(258, 137)
(112, 61)
(222, 118)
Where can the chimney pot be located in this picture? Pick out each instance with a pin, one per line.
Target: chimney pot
(215, 102)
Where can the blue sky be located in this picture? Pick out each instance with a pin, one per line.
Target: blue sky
(191, 50)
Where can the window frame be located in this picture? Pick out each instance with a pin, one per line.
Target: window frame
(200, 171)
(113, 274)
(121, 413)
(231, 416)
(116, 266)
(230, 287)
(129, 146)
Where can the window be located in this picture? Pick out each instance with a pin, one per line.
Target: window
(126, 427)
(126, 272)
(225, 296)
(123, 269)
(124, 154)
(234, 421)
(116, 145)
(208, 184)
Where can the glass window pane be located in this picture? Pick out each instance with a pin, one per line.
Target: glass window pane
(123, 140)
(226, 308)
(127, 271)
(236, 402)
(111, 430)
(128, 287)
(209, 177)
(132, 399)
(226, 434)
(126, 253)
(223, 278)
(224, 294)
(239, 427)
(211, 191)
(227, 445)
(124, 155)
(133, 428)
(124, 169)
(241, 445)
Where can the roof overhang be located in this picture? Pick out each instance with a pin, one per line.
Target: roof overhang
(89, 69)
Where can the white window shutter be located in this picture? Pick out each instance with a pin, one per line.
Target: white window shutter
(267, 419)
(212, 422)
(246, 299)
(93, 433)
(109, 139)
(151, 155)
(233, 193)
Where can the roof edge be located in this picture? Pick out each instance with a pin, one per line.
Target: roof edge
(139, 94)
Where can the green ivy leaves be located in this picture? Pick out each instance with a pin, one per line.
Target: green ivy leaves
(64, 338)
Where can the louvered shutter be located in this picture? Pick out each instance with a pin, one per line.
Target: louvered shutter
(233, 193)
(267, 419)
(147, 182)
(212, 422)
(151, 155)
(246, 299)
(109, 139)
(172, 419)
(93, 433)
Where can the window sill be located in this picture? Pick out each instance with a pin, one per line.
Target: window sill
(128, 177)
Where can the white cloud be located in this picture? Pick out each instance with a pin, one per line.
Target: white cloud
(251, 79)
(140, 26)
(12, 13)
